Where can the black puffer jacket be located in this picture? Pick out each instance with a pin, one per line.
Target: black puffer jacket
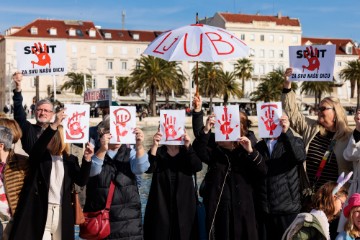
(125, 210)
(280, 192)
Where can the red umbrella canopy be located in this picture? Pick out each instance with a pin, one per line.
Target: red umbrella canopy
(197, 42)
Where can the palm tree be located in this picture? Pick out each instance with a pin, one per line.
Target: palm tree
(352, 73)
(177, 82)
(76, 82)
(270, 88)
(155, 74)
(209, 80)
(230, 86)
(122, 86)
(243, 69)
(316, 88)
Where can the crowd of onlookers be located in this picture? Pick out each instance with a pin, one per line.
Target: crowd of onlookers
(285, 187)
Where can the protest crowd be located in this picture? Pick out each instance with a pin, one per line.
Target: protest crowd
(280, 186)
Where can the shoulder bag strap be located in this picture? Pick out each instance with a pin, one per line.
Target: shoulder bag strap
(324, 160)
(110, 195)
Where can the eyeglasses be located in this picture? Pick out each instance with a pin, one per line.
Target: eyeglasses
(44, 110)
(325, 108)
(341, 201)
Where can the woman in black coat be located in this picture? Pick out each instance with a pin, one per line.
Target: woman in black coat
(171, 208)
(233, 170)
(52, 173)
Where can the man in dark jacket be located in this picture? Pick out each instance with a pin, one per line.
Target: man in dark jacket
(44, 112)
(280, 193)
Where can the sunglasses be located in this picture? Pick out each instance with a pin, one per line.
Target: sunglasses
(325, 108)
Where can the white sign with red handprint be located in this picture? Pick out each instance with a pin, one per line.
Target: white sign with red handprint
(76, 123)
(269, 115)
(122, 124)
(312, 62)
(41, 57)
(172, 125)
(227, 123)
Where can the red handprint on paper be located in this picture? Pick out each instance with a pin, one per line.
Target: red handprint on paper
(75, 131)
(312, 57)
(122, 116)
(42, 54)
(225, 124)
(170, 131)
(269, 115)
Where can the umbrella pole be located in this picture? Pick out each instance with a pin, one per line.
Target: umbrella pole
(196, 79)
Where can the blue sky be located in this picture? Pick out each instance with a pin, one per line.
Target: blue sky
(319, 18)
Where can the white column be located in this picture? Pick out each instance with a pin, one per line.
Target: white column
(84, 82)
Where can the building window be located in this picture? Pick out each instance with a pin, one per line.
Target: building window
(281, 67)
(74, 50)
(271, 38)
(339, 64)
(124, 50)
(108, 35)
(110, 83)
(123, 65)
(349, 50)
(93, 64)
(93, 49)
(281, 38)
(252, 52)
(93, 83)
(74, 64)
(271, 53)
(294, 39)
(271, 68)
(72, 32)
(92, 33)
(110, 50)
(136, 36)
(242, 37)
(252, 37)
(281, 53)
(261, 69)
(262, 53)
(137, 64)
(110, 64)
(34, 30)
(53, 31)
(262, 38)
(138, 51)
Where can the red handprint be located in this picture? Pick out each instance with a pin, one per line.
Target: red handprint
(312, 57)
(225, 127)
(122, 116)
(42, 55)
(170, 131)
(269, 122)
(74, 126)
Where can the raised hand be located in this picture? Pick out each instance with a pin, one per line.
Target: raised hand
(139, 136)
(59, 117)
(17, 78)
(210, 122)
(284, 123)
(104, 141)
(287, 83)
(246, 143)
(89, 151)
(197, 103)
(187, 140)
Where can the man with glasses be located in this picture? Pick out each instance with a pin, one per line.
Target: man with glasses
(44, 112)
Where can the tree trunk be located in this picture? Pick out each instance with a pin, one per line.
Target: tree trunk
(358, 97)
(243, 86)
(352, 88)
(226, 98)
(210, 103)
(167, 96)
(153, 100)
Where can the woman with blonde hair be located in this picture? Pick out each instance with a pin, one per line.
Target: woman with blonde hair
(352, 224)
(47, 188)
